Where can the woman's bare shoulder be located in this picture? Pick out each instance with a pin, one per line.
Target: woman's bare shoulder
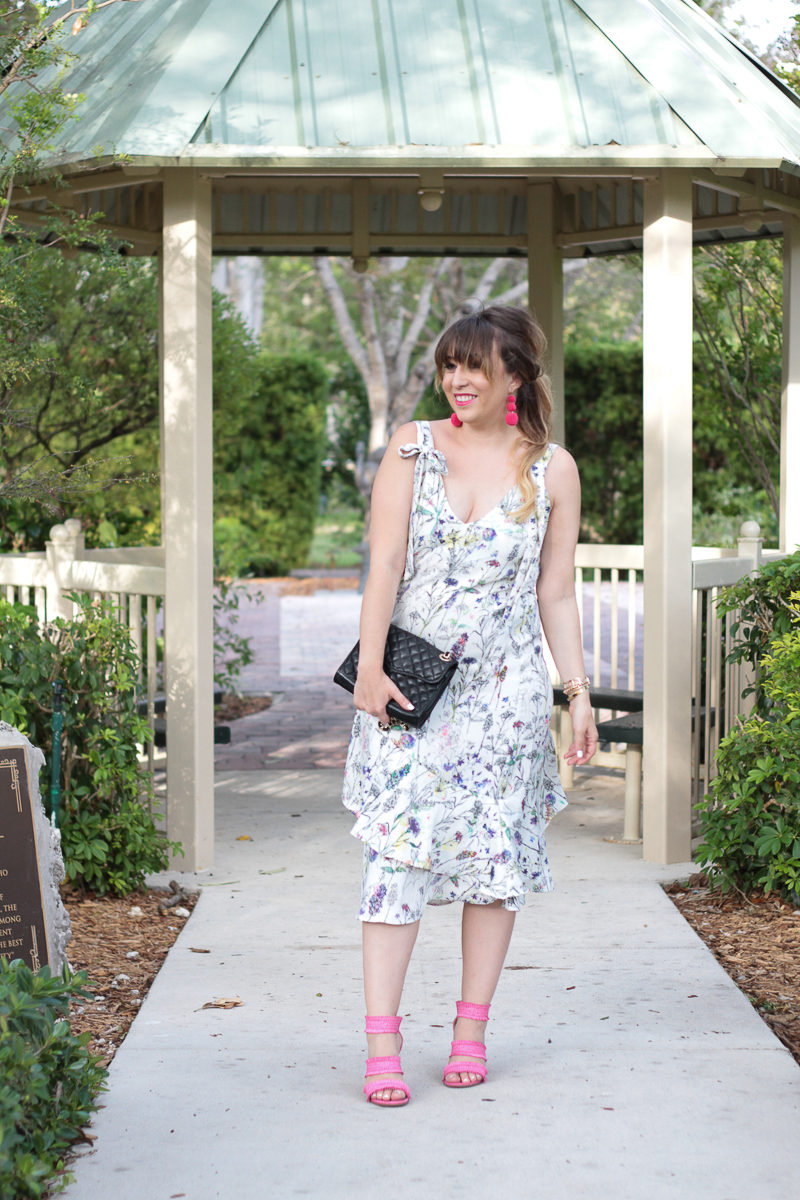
(407, 432)
(561, 474)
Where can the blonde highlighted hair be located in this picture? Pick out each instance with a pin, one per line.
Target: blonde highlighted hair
(520, 343)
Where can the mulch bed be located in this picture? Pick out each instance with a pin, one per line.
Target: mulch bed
(121, 944)
(756, 939)
(231, 707)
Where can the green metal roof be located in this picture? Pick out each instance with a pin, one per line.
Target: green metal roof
(549, 81)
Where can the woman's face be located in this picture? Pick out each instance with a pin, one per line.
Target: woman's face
(475, 397)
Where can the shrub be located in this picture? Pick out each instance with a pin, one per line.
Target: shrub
(603, 413)
(761, 610)
(109, 836)
(267, 468)
(751, 820)
(48, 1078)
(232, 651)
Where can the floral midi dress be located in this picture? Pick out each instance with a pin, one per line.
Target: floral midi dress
(467, 797)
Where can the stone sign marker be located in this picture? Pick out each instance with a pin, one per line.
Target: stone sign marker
(34, 925)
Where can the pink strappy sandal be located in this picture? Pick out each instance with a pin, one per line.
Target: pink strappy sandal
(376, 1080)
(473, 1012)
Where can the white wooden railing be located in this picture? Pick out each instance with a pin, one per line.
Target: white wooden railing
(716, 684)
(609, 588)
(610, 593)
(134, 579)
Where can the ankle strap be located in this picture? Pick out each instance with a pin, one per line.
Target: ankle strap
(473, 1012)
(382, 1024)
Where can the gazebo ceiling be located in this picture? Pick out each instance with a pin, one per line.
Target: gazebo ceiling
(321, 120)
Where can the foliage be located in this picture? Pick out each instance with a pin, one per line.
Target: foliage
(787, 53)
(232, 652)
(603, 299)
(296, 316)
(267, 463)
(751, 820)
(35, 109)
(738, 305)
(761, 612)
(347, 431)
(109, 836)
(91, 344)
(49, 1080)
(720, 507)
(338, 537)
(113, 511)
(603, 413)
(736, 417)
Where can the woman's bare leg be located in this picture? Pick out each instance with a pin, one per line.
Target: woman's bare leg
(387, 953)
(485, 935)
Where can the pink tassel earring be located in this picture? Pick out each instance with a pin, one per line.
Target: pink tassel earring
(454, 420)
(511, 410)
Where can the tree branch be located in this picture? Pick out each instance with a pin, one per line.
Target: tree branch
(344, 322)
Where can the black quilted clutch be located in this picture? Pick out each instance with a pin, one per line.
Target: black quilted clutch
(420, 671)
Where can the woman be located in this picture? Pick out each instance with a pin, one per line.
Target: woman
(473, 519)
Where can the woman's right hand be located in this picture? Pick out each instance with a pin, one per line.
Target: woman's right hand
(373, 691)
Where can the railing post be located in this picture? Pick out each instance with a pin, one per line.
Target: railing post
(750, 543)
(66, 543)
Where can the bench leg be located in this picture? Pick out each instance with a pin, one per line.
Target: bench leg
(632, 831)
(566, 773)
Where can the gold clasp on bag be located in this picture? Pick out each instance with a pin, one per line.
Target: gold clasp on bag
(445, 655)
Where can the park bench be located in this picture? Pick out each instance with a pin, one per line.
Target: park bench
(615, 700)
(629, 730)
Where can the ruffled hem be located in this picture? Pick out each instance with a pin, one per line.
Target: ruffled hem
(502, 861)
(465, 878)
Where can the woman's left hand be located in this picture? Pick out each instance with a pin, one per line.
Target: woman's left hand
(584, 741)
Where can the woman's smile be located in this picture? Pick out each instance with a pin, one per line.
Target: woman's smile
(467, 385)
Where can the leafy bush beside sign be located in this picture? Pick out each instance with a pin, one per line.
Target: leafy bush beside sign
(109, 836)
(48, 1078)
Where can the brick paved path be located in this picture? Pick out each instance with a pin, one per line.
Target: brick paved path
(298, 641)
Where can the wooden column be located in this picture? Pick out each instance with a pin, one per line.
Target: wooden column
(546, 289)
(187, 513)
(790, 399)
(667, 348)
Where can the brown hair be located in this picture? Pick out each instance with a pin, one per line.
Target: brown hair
(520, 343)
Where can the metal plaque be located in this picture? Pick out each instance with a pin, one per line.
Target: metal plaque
(23, 932)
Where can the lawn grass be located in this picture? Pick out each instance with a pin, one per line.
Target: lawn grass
(337, 537)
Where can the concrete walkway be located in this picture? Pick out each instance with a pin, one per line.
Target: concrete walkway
(623, 1062)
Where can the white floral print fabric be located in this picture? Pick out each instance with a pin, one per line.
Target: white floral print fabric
(468, 796)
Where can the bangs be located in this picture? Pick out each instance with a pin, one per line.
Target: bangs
(471, 341)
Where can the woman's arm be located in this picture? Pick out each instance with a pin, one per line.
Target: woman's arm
(388, 541)
(556, 593)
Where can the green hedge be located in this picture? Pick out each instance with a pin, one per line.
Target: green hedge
(603, 412)
(49, 1080)
(267, 468)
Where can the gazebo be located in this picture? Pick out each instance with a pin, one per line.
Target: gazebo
(551, 128)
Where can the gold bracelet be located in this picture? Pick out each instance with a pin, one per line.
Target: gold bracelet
(577, 692)
(574, 687)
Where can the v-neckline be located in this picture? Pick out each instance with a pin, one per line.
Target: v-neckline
(453, 512)
(475, 520)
